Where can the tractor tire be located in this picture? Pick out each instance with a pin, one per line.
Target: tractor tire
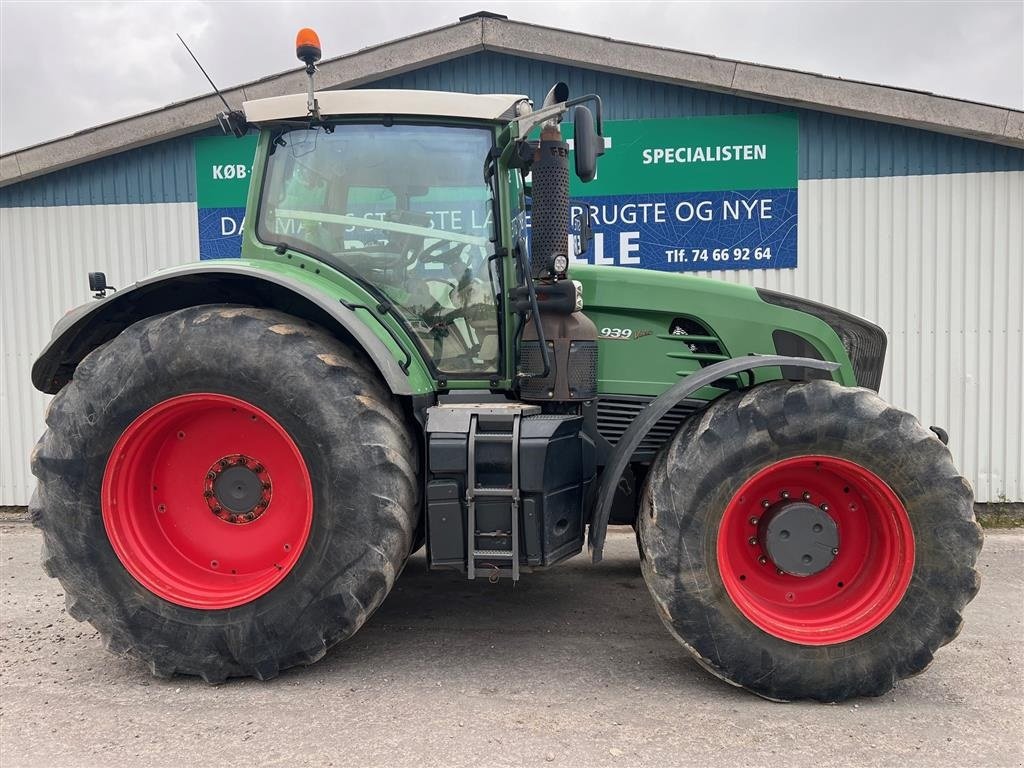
(806, 540)
(225, 491)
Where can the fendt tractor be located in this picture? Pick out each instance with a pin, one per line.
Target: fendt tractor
(241, 454)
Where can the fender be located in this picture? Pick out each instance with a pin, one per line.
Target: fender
(87, 327)
(662, 404)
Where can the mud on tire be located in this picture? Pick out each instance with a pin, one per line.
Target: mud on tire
(351, 433)
(698, 474)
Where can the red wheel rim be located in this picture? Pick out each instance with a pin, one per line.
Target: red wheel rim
(166, 522)
(868, 574)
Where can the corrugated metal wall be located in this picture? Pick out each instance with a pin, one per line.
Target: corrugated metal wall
(161, 173)
(45, 253)
(918, 231)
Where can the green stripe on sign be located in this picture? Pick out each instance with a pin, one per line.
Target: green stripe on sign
(223, 167)
(697, 154)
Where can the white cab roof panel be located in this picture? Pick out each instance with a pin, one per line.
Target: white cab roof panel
(385, 102)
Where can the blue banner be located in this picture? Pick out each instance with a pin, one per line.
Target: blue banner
(693, 231)
(220, 232)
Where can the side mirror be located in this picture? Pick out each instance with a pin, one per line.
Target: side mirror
(98, 284)
(588, 145)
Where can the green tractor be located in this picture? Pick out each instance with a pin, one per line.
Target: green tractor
(241, 455)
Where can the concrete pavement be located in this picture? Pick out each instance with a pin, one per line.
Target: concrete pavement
(570, 667)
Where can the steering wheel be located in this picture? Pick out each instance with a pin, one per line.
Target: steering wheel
(439, 252)
(375, 257)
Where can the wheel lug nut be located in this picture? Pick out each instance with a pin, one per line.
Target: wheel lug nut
(766, 503)
(754, 521)
(807, 496)
(211, 475)
(784, 494)
(258, 469)
(208, 494)
(266, 486)
(835, 550)
(752, 541)
(762, 559)
(780, 572)
(824, 507)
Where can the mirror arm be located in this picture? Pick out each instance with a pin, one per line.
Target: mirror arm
(528, 122)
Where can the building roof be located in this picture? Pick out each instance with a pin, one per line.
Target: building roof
(488, 32)
(389, 101)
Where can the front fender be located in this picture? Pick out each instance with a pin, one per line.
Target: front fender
(657, 408)
(316, 299)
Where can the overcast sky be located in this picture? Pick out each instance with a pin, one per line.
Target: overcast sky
(66, 66)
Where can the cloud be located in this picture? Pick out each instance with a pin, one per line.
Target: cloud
(106, 60)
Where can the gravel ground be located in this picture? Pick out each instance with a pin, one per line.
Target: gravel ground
(570, 667)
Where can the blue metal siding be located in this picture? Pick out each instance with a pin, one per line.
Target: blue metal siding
(831, 146)
(158, 173)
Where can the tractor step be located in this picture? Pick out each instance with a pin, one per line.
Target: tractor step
(475, 492)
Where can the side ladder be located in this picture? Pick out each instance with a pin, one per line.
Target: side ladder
(474, 493)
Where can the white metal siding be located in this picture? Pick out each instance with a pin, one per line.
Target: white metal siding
(45, 254)
(936, 260)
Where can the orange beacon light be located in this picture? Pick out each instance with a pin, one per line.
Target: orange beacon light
(307, 46)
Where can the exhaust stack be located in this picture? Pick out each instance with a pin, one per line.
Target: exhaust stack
(570, 336)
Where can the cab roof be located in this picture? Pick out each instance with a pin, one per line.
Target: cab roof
(495, 107)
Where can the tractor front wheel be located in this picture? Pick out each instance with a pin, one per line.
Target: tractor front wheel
(806, 540)
(225, 491)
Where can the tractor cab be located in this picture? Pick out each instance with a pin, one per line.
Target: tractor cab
(417, 196)
(403, 207)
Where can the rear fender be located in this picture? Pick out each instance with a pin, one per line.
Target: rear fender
(87, 327)
(641, 425)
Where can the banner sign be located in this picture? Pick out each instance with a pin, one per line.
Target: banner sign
(677, 195)
(694, 194)
(223, 167)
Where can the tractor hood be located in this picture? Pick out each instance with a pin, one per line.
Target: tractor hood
(654, 327)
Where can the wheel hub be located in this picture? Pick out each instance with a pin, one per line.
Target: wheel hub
(801, 539)
(238, 489)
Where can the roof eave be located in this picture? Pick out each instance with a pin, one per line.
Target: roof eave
(999, 125)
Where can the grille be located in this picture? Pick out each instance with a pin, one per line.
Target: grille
(615, 414)
(582, 369)
(697, 342)
(531, 360)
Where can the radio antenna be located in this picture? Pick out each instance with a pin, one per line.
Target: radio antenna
(231, 120)
(208, 78)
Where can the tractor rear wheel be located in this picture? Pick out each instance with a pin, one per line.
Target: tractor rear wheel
(808, 541)
(225, 491)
